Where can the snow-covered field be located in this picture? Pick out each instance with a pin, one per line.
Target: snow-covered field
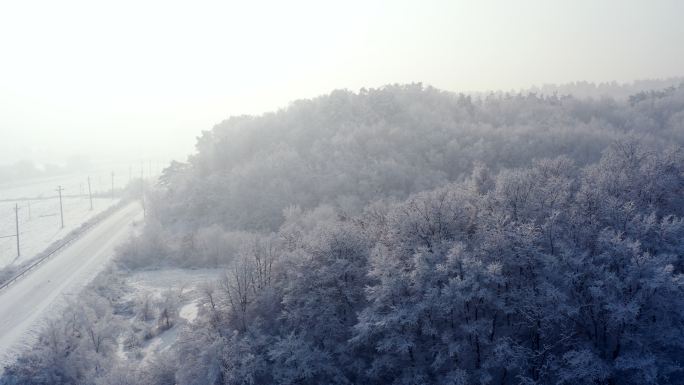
(187, 280)
(39, 213)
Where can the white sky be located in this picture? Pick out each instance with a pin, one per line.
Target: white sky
(140, 79)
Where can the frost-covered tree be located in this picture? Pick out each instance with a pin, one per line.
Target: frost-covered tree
(406, 235)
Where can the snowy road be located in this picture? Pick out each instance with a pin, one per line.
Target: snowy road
(25, 304)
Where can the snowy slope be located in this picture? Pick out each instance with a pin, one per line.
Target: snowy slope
(39, 218)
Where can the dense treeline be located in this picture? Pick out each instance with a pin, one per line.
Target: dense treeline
(348, 149)
(547, 274)
(615, 90)
(410, 236)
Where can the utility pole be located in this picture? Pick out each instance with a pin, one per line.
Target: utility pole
(16, 222)
(90, 195)
(112, 184)
(61, 212)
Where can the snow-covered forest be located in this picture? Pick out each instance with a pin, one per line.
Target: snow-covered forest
(407, 235)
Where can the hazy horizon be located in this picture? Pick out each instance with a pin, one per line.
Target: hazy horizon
(141, 80)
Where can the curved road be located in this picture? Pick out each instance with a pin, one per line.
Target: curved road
(25, 304)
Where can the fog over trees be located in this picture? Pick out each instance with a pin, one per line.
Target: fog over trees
(408, 235)
(348, 149)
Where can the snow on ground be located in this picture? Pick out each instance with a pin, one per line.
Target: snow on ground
(39, 214)
(185, 284)
(26, 304)
(189, 312)
(160, 343)
(73, 184)
(157, 281)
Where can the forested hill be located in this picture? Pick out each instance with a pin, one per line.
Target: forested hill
(347, 149)
(406, 235)
(414, 236)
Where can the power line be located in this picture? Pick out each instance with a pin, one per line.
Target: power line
(90, 195)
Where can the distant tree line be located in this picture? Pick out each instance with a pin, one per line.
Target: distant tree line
(26, 169)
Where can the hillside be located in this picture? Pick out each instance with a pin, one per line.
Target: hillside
(348, 149)
(407, 235)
